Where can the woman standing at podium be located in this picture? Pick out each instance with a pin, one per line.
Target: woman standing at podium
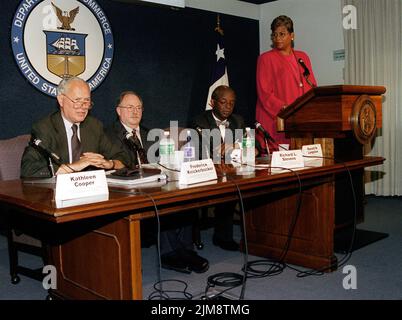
(283, 75)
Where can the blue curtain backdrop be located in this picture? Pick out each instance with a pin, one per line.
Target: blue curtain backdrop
(165, 55)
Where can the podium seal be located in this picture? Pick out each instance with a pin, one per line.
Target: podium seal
(363, 119)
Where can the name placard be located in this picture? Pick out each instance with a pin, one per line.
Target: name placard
(197, 171)
(81, 187)
(312, 152)
(287, 159)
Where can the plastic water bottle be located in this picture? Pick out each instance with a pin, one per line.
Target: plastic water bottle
(189, 149)
(166, 149)
(248, 152)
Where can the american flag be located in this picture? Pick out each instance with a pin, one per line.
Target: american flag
(219, 73)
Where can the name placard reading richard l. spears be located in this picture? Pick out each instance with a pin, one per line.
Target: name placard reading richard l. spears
(197, 171)
(287, 160)
(80, 188)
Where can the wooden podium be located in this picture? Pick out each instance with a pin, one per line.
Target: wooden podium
(341, 118)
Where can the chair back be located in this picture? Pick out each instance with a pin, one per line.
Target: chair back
(11, 151)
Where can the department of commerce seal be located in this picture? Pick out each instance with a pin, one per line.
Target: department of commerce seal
(57, 39)
(363, 119)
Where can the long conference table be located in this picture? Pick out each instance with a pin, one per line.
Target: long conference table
(96, 247)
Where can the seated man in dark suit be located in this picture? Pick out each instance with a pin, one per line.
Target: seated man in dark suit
(221, 117)
(77, 138)
(176, 244)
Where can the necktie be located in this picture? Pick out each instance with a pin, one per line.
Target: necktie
(222, 126)
(140, 149)
(222, 123)
(75, 144)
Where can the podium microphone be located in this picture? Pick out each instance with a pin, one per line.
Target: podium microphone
(306, 72)
(37, 143)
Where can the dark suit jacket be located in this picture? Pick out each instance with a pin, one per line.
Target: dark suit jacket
(207, 121)
(52, 132)
(117, 134)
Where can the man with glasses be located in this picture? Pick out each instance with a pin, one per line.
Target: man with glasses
(129, 109)
(77, 138)
(176, 245)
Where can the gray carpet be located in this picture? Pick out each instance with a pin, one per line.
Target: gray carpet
(378, 268)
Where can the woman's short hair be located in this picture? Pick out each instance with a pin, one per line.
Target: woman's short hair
(282, 21)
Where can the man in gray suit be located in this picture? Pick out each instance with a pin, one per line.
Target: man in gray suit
(177, 252)
(77, 138)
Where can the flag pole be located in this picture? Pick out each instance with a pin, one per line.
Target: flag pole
(218, 25)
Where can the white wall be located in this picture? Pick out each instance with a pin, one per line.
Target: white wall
(318, 31)
(232, 7)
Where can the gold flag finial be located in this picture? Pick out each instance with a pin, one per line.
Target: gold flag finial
(218, 25)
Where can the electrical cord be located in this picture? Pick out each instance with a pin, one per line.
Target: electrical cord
(243, 290)
(229, 279)
(167, 168)
(157, 241)
(348, 255)
(160, 292)
(276, 266)
(158, 286)
(164, 294)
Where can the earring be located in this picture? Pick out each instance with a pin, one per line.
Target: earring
(292, 39)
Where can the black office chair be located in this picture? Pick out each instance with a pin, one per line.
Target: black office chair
(11, 151)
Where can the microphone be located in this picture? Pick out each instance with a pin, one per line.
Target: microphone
(198, 129)
(37, 143)
(267, 136)
(306, 70)
(130, 139)
(135, 145)
(200, 133)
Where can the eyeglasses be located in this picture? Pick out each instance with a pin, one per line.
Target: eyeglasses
(132, 108)
(86, 104)
(279, 35)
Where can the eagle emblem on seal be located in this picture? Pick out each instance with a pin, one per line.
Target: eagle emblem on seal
(66, 18)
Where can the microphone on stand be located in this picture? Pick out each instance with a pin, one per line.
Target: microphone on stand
(267, 136)
(133, 144)
(306, 72)
(199, 131)
(129, 137)
(53, 157)
(38, 144)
